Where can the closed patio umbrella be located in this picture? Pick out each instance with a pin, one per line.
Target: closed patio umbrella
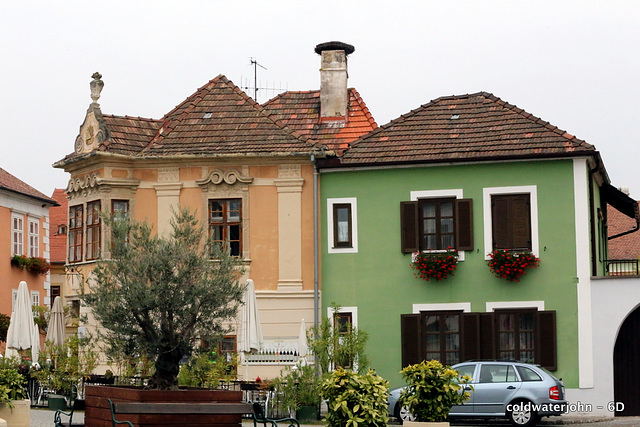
(249, 329)
(22, 333)
(56, 331)
(303, 346)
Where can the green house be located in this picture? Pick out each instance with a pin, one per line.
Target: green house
(476, 174)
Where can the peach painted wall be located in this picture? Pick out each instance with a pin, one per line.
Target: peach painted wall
(263, 236)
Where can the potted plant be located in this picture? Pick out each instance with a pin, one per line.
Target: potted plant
(36, 265)
(355, 400)
(71, 362)
(432, 390)
(14, 405)
(299, 391)
(435, 265)
(161, 295)
(511, 265)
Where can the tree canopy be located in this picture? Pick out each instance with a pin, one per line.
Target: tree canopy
(160, 296)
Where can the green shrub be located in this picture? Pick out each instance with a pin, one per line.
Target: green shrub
(297, 386)
(354, 399)
(11, 386)
(432, 390)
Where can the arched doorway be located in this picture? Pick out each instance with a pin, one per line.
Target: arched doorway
(626, 365)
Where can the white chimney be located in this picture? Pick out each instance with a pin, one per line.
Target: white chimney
(334, 96)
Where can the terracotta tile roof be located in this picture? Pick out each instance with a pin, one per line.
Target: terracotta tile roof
(479, 126)
(221, 119)
(301, 112)
(624, 247)
(13, 184)
(129, 135)
(58, 217)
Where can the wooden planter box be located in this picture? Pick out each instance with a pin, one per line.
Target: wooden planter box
(98, 414)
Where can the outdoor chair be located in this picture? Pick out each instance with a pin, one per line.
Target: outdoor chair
(57, 417)
(260, 418)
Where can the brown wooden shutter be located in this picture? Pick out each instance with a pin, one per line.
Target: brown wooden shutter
(487, 336)
(409, 227)
(546, 348)
(464, 224)
(410, 334)
(520, 217)
(470, 337)
(511, 221)
(500, 222)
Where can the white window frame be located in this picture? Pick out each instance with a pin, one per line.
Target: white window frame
(354, 225)
(532, 190)
(353, 310)
(35, 298)
(17, 244)
(33, 237)
(495, 305)
(456, 193)
(454, 306)
(14, 298)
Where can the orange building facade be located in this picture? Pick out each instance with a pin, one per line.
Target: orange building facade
(248, 172)
(24, 221)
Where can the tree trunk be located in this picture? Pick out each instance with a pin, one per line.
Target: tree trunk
(167, 368)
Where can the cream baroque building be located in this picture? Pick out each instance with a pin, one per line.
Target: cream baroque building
(246, 170)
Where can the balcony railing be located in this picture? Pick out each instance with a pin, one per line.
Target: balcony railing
(621, 267)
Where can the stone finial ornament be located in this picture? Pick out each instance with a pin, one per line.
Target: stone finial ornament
(96, 86)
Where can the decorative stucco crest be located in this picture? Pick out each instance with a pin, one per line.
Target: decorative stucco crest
(93, 183)
(218, 176)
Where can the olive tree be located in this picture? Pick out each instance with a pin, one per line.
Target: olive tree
(160, 296)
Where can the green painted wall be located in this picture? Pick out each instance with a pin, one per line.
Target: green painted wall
(379, 281)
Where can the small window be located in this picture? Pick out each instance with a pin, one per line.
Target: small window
(35, 298)
(342, 225)
(62, 229)
(93, 230)
(436, 224)
(75, 233)
(516, 335)
(441, 336)
(34, 238)
(225, 225)
(17, 235)
(342, 323)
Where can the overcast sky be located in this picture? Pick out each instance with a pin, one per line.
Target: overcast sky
(575, 64)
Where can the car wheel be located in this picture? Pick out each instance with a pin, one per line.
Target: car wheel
(522, 415)
(403, 413)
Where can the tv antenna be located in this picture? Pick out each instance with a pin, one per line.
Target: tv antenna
(255, 78)
(244, 84)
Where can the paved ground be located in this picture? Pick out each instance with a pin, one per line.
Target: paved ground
(44, 418)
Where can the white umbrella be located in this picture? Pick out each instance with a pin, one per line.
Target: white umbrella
(56, 331)
(303, 346)
(22, 333)
(35, 347)
(249, 331)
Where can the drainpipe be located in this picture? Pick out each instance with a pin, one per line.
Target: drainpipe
(316, 254)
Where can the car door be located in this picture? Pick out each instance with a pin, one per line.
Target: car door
(495, 387)
(467, 407)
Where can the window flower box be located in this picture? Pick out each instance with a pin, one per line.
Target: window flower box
(511, 265)
(435, 265)
(35, 265)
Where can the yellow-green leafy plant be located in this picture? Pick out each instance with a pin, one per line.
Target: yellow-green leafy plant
(355, 400)
(432, 389)
(11, 386)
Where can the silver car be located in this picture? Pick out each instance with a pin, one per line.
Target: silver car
(521, 392)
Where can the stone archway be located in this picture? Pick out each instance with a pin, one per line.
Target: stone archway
(626, 365)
